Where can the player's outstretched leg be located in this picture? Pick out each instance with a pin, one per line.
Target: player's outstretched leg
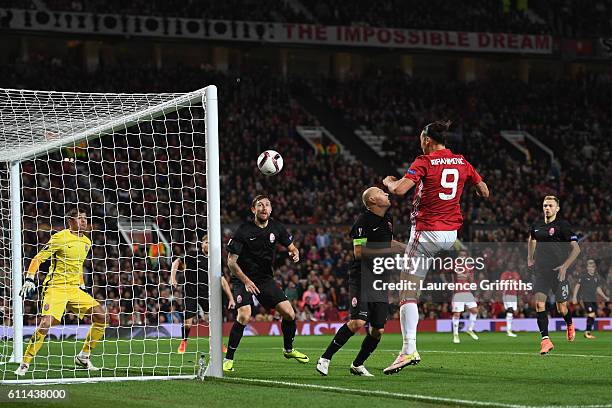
(288, 327)
(369, 344)
(95, 333)
(546, 345)
(472, 323)
(589, 326)
(244, 314)
(456, 328)
(185, 329)
(342, 336)
(409, 319)
(35, 343)
(570, 332)
(509, 317)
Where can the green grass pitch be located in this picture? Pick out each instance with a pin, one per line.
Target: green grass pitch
(495, 371)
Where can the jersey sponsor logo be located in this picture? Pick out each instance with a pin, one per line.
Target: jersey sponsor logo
(551, 231)
(411, 171)
(354, 302)
(447, 160)
(239, 299)
(272, 237)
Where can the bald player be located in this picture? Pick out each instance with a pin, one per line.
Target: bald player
(373, 225)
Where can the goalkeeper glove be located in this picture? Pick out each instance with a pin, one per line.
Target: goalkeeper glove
(28, 288)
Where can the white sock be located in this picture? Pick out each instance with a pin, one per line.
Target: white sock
(455, 326)
(472, 321)
(83, 354)
(509, 321)
(409, 319)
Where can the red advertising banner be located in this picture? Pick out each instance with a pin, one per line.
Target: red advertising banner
(421, 39)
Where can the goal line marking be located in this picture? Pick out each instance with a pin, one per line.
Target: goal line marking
(501, 353)
(398, 395)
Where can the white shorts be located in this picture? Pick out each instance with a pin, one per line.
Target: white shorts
(423, 246)
(462, 301)
(510, 302)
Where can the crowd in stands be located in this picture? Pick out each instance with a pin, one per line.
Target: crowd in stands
(319, 196)
(569, 116)
(474, 15)
(569, 18)
(576, 18)
(250, 10)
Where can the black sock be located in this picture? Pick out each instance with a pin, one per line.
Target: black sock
(590, 321)
(288, 327)
(367, 347)
(568, 318)
(234, 339)
(543, 323)
(185, 330)
(339, 340)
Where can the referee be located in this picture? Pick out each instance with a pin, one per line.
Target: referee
(552, 248)
(588, 288)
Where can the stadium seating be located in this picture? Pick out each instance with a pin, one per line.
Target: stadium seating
(325, 189)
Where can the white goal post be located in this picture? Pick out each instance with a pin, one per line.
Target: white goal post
(158, 140)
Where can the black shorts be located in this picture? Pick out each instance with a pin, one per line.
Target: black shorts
(375, 313)
(547, 281)
(195, 294)
(269, 295)
(590, 307)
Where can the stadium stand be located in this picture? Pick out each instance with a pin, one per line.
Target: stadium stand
(308, 194)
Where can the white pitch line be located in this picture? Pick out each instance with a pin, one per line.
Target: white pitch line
(471, 352)
(415, 397)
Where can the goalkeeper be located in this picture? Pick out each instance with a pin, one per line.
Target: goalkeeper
(62, 288)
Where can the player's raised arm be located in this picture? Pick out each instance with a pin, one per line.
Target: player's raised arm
(29, 285)
(417, 170)
(398, 187)
(482, 190)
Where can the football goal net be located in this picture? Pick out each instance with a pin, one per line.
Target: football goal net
(144, 169)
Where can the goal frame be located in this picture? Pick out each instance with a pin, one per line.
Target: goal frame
(208, 97)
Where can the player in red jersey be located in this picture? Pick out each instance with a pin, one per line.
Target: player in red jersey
(463, 298)
(439, 176)
(510, 298)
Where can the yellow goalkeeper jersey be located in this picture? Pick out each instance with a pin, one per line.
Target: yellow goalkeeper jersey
(68, 252)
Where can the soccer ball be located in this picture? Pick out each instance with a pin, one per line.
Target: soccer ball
(270, 162)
